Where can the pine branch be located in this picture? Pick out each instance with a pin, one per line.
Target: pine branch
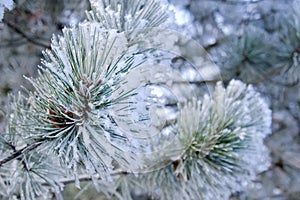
(18, 153)
(85, 177)
(74, 112)
(26, 36)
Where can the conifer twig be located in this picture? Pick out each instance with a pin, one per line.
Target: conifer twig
(27, 37)
(16, 154)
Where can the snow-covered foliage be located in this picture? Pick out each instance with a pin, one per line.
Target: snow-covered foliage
(219, 147)
(87, 117)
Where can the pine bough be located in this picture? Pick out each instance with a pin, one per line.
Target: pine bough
(77, 124)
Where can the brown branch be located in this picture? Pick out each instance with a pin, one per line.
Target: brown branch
(67, 181)
(20, 152)
(23, 34)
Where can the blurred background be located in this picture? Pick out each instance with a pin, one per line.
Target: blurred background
(256, 41)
